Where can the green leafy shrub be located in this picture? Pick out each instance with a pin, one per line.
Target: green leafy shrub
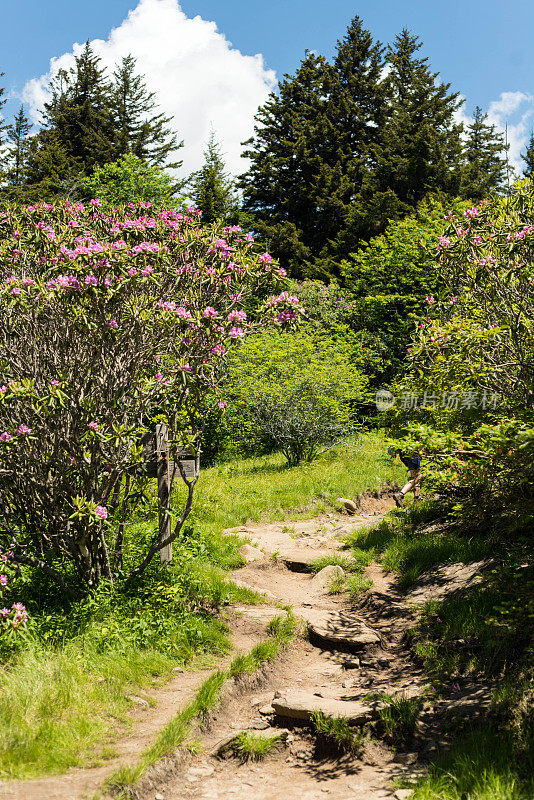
(291, 392)
(130, 180)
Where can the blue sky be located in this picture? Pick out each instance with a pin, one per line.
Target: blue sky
(483, 48)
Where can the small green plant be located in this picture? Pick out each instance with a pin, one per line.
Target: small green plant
(342, 560)
(398, 718)
(337, 585)
(334, 735)
(356, 585)
(249, 746)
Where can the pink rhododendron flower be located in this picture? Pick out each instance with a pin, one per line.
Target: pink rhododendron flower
(113, 323)
(5, 436)
(239, 316)
(158, 376)
(444, 241)
(97, 203)
(15, 291)
(265, 258)
(236, 333)
(102, 512)
(222, 404)
(91, 280)
(3, 389)
(3, 580)
(54, 383)
(132, 272)
(22, 429)
(93, 426)
(210, 312)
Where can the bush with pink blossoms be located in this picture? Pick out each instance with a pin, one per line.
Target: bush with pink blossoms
(108, 319)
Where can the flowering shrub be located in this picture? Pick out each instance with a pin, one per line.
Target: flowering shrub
(108, 319)
(477, 347)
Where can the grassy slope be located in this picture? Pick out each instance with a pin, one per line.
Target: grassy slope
(485, 632)
(64, 692)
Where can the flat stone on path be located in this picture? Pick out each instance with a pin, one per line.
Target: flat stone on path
(301, 706)
(300, 560)
(341, 629)
(249, 553)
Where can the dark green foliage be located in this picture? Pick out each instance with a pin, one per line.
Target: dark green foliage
(91, 121)
(393, 279)
(17, 154)
(137, 129)
(211, 188)
(484, 169)
(3, 129)
(77, 120)
(286, 158)
(342, 149)
(528, 157)
(420, 147)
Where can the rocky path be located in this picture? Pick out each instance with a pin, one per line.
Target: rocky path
(341, 658)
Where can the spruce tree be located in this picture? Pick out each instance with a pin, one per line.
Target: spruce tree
(3, 129)
(356, 111)
(528, 158)
(17, 154)
(285, 155)
(77, 126)
(211, 188)
(137, 129)
(484, 169)
(420, 147)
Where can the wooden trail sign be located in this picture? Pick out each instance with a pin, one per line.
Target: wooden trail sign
(158, 465)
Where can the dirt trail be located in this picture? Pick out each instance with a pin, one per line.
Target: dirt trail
(341, 657)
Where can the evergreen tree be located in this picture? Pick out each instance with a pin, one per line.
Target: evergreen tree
(356, 111)
(3, 129)
(278, 186)
(212, 189)
(528, 158)
(420, 147)
(312, 153)
(137, 129)
(17, 154)
(77, 126)
(484, 169)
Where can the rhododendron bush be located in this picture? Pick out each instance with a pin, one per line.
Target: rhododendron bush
(109, 319)
(473, 360)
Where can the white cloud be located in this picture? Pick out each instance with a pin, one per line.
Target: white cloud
(198, 77)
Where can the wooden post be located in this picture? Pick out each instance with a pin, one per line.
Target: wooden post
(162, 456)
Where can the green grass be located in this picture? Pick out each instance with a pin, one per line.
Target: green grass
(334, 736)
(343, 560)
(232, 493)
(406, 546)
(177, 732)
(64, 695)
(484, 764)
(397, 719)
(249, 746)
